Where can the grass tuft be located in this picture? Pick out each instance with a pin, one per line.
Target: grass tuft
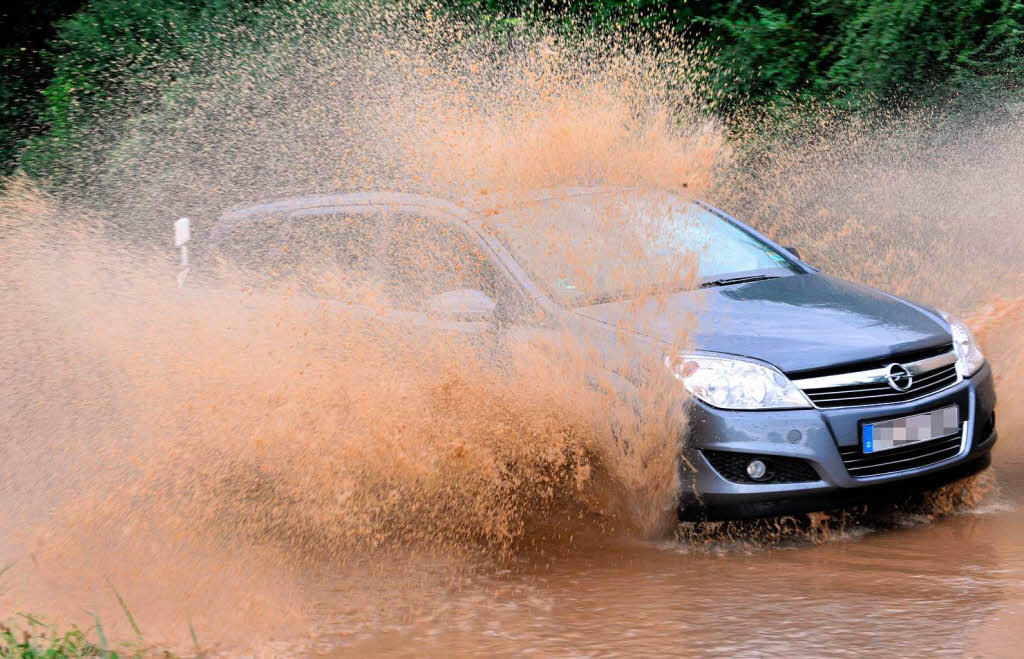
(195, 640)
(127, 613)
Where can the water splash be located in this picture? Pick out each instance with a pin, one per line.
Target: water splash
(213, 452)
(198, 447)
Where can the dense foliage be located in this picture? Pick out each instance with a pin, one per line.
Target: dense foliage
(67, 62)
(25, 28)
(115, 55)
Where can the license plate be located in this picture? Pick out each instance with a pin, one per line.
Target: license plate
(894, 433)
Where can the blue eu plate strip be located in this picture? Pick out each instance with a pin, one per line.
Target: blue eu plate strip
(868, 439)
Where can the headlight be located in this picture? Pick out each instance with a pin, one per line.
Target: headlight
(735, 384)
(968, 353)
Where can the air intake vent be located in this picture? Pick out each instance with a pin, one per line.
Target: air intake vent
(733, 467)
(861, 464)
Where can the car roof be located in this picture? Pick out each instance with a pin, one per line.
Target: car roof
(479, 204)
(347, 200)
(470, 207)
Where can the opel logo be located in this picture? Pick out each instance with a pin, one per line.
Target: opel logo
(899, 377)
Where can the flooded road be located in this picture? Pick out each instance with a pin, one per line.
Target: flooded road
(888, 582)
(949, 587)
(261, 478)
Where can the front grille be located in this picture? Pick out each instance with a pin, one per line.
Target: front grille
(861, 464)
(871, 386)
(733, 467)
(903, 357)
(880, 394)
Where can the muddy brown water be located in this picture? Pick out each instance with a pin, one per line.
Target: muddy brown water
(207, 465)
(161, 521)
(889, 583)
(244, 490)
(953, 586)
(894, 582)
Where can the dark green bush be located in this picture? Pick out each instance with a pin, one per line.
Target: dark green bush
(113, 57)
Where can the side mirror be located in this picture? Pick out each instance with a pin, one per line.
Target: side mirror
(793, 251)
(465, 304)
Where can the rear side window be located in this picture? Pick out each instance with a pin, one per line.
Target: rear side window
(392, 260)
(330, 255)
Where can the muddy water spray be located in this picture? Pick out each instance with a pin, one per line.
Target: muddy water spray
(210, 453)
(197, 447)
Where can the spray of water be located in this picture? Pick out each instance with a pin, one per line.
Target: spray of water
(272, 412)
(208, 451)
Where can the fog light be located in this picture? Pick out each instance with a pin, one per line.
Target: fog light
(757, 469)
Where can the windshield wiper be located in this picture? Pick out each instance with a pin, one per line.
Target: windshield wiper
(726, 281)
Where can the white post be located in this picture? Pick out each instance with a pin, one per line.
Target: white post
(182, 234)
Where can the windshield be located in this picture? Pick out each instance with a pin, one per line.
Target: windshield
(593, 249)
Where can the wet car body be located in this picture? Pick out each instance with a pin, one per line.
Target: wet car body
(838, 342)
(799, 324)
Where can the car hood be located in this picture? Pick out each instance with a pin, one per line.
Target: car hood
(798, 323)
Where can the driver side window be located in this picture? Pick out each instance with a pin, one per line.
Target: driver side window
(422, 258)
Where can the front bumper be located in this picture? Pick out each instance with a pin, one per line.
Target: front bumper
(816, 435)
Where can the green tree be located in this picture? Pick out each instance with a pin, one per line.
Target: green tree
(25, 29)
(114, 57)
(110, 58)
(927, 48)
